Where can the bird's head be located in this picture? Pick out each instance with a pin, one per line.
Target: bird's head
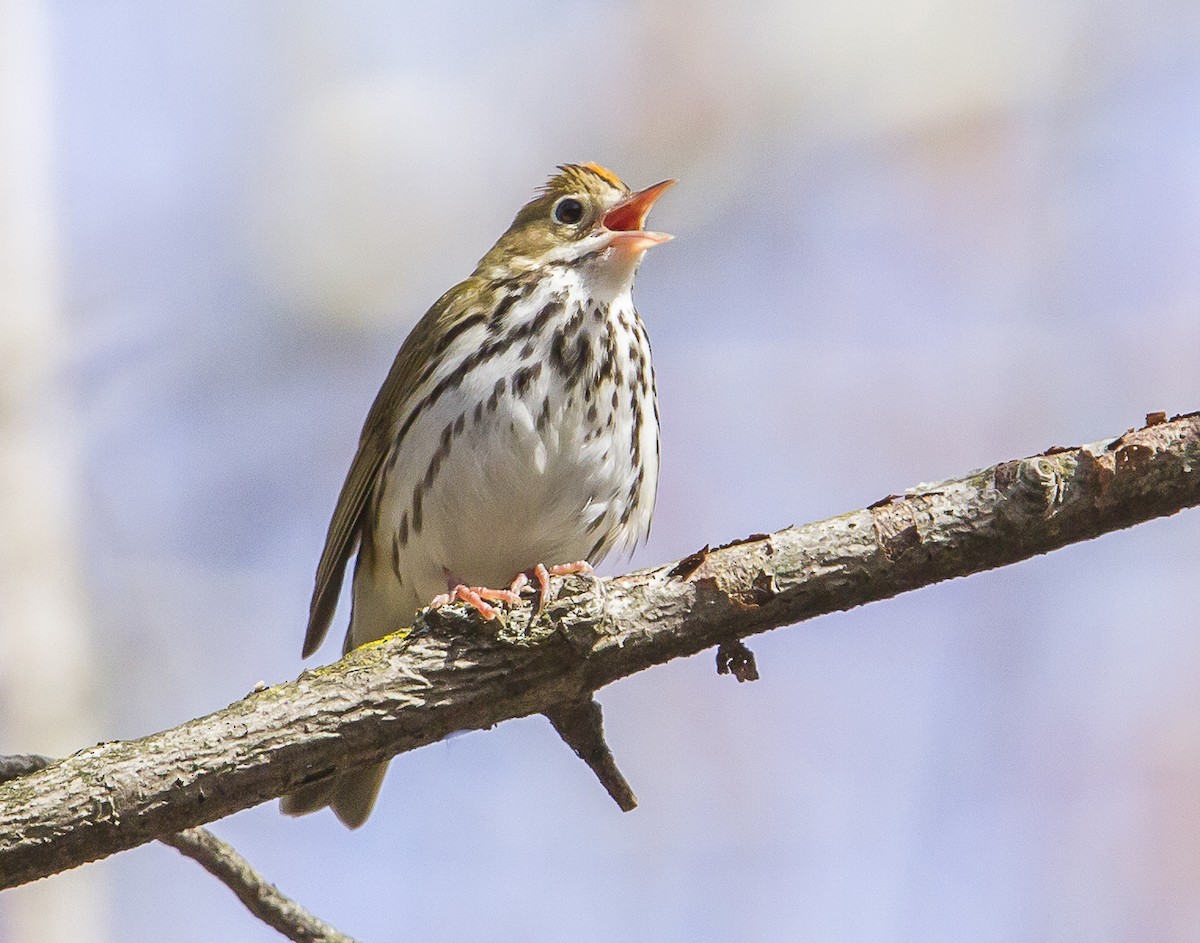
(584, 217)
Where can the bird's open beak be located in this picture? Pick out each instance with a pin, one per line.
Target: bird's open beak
(627, 218)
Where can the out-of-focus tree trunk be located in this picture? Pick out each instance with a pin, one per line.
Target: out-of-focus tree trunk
(46, 700)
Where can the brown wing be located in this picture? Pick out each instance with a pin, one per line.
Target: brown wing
(373, 445)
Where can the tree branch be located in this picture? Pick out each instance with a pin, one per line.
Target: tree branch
(261, 898)
(452, 673)
(223, 862)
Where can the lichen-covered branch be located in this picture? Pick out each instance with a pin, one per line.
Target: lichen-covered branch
(454, 673)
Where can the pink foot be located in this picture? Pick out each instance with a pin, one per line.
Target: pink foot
(542, 574)
(477, 597)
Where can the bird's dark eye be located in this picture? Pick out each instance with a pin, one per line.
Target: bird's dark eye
(568, 211)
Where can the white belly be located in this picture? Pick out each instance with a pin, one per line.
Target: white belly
(543, 454)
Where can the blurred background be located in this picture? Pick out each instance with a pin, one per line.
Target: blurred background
(914, 238)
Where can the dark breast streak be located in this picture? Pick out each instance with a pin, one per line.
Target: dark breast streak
(497, 345)
(502, 335)
(592, 362)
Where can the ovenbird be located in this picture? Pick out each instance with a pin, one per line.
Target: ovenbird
(517, 427)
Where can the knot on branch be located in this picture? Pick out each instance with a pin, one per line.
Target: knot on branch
(1031, 488)
(895, 527)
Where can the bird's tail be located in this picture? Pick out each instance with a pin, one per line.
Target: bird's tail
(351, 795)
(377, 597)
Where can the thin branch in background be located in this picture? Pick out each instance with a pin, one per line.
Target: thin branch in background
(223, 862)
(261, 898)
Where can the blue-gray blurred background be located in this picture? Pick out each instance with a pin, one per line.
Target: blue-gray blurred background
(914, 237)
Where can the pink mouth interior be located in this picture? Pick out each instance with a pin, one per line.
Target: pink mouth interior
(628, 217)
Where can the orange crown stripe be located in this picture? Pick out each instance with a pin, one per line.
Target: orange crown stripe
(604, 174)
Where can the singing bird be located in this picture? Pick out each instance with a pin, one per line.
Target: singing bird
(518, 427)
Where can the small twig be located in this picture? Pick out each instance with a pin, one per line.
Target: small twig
(581, 725)
(223, 862)
(734, 658)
